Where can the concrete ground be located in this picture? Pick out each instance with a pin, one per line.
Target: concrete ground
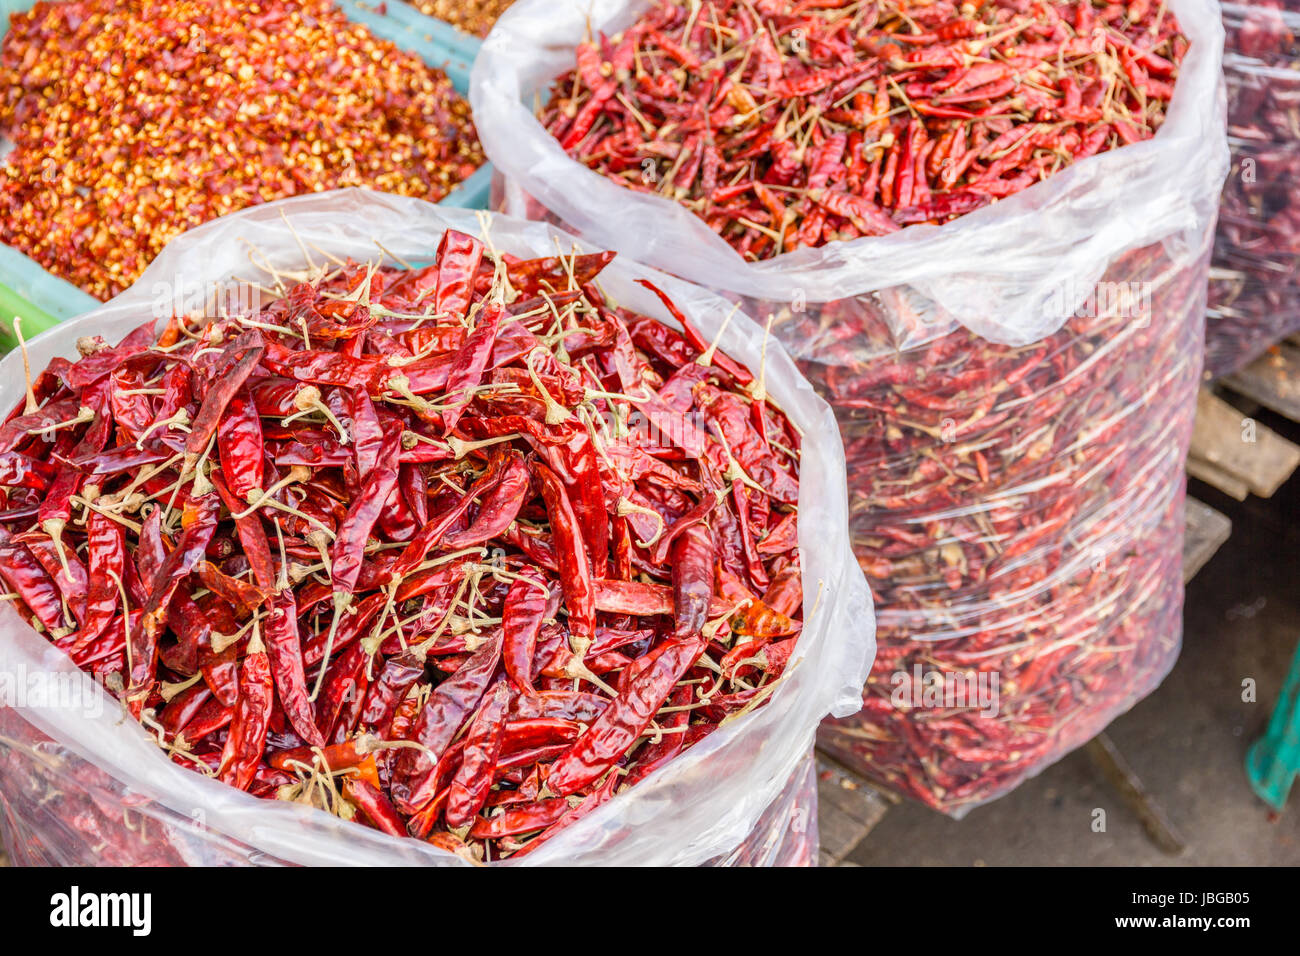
(1186, 741)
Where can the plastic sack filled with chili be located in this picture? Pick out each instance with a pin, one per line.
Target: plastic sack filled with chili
(78, 783)
(1255, 276)
(1015, 387)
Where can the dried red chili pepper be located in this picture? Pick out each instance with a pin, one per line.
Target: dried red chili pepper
(247, 739)
(790, 103)
(498, 593)
(1255, 279)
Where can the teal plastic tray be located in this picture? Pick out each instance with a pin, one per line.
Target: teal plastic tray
(438, 44)
(402, 18)
(441, 45)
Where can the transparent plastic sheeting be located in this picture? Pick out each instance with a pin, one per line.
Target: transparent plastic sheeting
(701, 806)
(1255, 279)
(1015, 391)
(1010, 272)
(57, 809)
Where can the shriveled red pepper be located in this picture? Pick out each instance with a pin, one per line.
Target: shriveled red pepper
(412, 501)
(831, 126)
(247, 738)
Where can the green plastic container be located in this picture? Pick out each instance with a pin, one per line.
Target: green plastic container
(438, 44)
(1273, 763)
(35, 320)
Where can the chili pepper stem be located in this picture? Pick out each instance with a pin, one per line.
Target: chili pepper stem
(555, 412)
(460, 448)
(180, 418)
(758, 388)
(257, 497)
(84, 414)
(32, 405)
(342, 601)
(402, 386)
(626, 508)
(54, 528)
(706, 357)
(308, 400)
(319, 540)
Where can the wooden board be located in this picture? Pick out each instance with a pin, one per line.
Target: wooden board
(1273, 379)
(1218, 478)
(847, 810)
(1236, 453)
(1107, 758)
(1207, 530)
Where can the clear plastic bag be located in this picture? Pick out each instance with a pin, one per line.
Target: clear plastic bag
(1020, 519)
(786, 833)
(1014, 389)
(1255, 281)
(106, 769)
(57, 809)
(1011, 272)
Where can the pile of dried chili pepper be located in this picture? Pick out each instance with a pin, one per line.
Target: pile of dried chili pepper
(1019, 515)
(135, 121)
(1255, 283)
(786, 124)
(459, 551)
(472, 16)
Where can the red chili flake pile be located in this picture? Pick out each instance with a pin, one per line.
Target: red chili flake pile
(1255, 285)
(473, 16)
(460, 552)
(133, 122)
(788, 124)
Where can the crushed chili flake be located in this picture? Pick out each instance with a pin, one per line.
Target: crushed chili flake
(133, 122)
(786, 125)
(472, 16)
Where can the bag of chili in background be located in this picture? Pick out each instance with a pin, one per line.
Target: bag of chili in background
(1015, 384)
(81, 784)
(1255, 279)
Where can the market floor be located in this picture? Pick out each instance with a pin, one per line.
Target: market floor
(1186, 741)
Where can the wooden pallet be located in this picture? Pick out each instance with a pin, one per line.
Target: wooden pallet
(1273, 380)
(1235, 453)
(1230, 449)
(1206, 532)
(850, 807)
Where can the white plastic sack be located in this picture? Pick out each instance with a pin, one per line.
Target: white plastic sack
(999, 271)
(60, 732)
